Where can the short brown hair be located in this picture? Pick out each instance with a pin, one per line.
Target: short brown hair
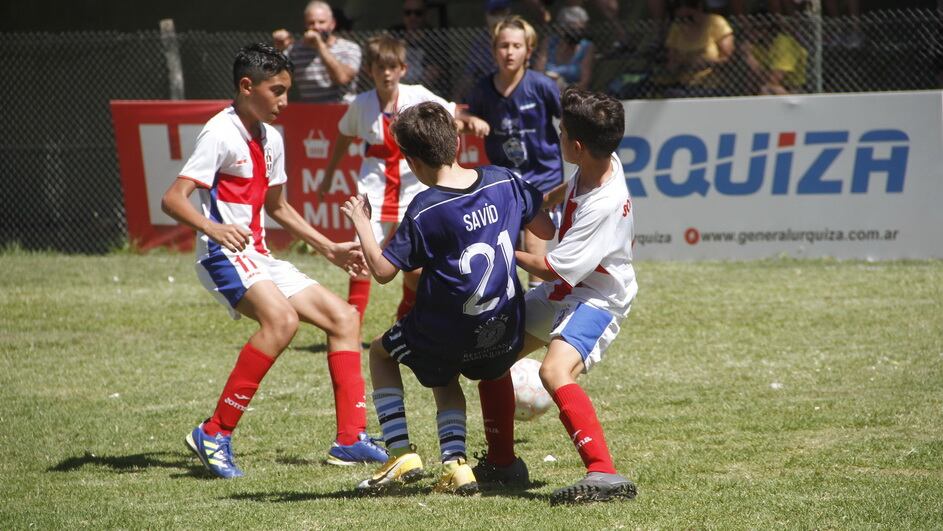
(385, 50)
(597, 120)
(515, 22)
(427, 132)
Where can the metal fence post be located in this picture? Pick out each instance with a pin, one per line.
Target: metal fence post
(817, 22)
(168, 39)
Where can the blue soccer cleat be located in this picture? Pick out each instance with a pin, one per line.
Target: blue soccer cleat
(215, 452)
(365, 450)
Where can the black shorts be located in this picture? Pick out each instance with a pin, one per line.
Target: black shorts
(437, 369)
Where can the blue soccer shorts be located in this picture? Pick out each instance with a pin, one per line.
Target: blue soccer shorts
(588, 329)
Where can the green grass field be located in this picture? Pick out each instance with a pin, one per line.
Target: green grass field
(781, 393)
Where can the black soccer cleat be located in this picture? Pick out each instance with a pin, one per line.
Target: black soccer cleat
(596, 486)
(513, 475)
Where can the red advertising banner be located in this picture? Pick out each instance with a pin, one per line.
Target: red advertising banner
(155, 138)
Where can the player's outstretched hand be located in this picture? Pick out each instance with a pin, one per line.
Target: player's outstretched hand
(357, 265)
(477, 126)
(347, 256)
(232, 237)
(357, 208)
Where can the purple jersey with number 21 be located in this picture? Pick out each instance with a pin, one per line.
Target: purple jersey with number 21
(469, 304)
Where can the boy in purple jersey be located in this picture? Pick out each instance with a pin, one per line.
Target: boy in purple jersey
(468, 317)
(514, 108)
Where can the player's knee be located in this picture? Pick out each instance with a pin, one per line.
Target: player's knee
(553, 375)
(283, 324)
(378, 351)
(346, 320)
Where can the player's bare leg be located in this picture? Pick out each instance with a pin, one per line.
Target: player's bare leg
(319, 306)
(558, 372)
(278, 322)
(457, 477)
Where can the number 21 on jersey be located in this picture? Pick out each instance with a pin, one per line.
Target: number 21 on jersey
(474, 305)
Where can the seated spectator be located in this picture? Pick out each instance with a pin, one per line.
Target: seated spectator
(775, 58)
(698, 42)
(568, 57)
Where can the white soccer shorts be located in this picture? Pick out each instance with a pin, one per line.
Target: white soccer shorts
(228, 276)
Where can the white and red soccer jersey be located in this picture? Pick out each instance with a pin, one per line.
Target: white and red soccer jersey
(594, 253)
(233, 172)
(384, 174)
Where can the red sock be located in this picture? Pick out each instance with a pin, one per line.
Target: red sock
(358, 295)
(497, 412)
(244, 379)
(579, 417)
(406, 303)
(350, 402)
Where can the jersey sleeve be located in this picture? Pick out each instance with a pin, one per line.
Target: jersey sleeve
(583, 247)
(531, 199)
(407, 249)
(206, 159)
(349, 125)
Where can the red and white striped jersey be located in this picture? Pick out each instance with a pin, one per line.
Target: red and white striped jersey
(233, 172)
(384, 174)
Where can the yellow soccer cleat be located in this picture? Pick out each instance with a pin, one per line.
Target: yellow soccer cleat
(405, 468)
(458, 478)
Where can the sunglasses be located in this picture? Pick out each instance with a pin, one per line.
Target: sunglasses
(413, 12)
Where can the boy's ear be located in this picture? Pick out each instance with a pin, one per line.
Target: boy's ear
(245, 86)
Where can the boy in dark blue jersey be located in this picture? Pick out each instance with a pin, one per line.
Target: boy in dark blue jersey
(469, 312)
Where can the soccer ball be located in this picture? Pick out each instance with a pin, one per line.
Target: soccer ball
(531, 400)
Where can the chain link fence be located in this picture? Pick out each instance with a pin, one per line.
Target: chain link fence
(60, 188)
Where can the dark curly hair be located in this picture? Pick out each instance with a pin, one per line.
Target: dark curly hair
(259, 62)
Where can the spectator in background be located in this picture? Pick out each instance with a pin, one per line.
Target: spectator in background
(775, 58)
(283, 40)
(326, 65)
(421, 69)
(568, 57)
(698, 43)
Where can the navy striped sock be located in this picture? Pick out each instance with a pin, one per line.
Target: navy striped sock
(451, 434)
(391, 412)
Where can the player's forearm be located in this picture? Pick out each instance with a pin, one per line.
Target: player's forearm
(295, 224)
(339, 72)
(177, 206)
(535, 265)
(381, 268)
(555, 197)
(340, 149)
(542, 226)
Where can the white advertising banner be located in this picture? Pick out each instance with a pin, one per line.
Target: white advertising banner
(844, 176)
